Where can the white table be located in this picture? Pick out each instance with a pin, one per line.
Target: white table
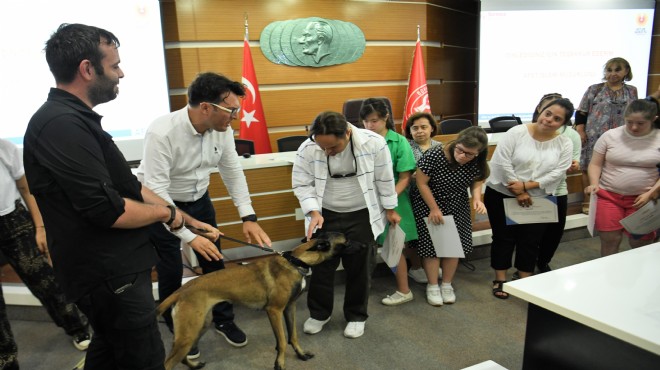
(595, 314)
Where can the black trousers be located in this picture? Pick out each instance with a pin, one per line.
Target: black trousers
(523, 239)
(358, 267)
(122, 313)
(170, 264)
(553, 233)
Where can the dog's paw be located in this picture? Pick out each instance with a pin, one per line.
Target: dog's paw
(305, 355)
(193, 364)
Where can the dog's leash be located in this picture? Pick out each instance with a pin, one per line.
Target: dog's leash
(286, 255)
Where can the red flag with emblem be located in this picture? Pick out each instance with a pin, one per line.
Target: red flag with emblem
(253, 120)
(417, 97)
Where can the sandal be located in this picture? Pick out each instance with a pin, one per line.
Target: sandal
(498, 292)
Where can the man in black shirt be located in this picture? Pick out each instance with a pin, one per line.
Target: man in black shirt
(95, 210)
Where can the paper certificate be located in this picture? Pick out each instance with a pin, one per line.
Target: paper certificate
(445, 238)
(591, 221)
(393, 246)
(543, 209)
(644, 221)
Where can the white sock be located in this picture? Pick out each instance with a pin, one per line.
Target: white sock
(446, 285)
(431, 286)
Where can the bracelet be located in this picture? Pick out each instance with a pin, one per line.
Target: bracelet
(183, 223)
(172, 214)
(524, 188)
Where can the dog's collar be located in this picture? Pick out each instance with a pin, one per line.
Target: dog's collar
(301, 266)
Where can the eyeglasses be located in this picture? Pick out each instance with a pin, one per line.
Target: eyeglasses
(336, 176)
(466, 154)
(231, 111)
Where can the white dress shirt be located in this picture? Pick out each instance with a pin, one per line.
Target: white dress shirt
(177, 163)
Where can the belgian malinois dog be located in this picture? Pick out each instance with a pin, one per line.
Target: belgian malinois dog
(272, 283)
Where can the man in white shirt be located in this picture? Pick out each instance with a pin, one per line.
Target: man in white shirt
(342, 176)
(181, 150)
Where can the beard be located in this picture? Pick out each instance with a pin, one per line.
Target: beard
(103, 91)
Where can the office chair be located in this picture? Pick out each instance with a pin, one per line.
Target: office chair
(504, 123)
(244, 146)
(351, 109)
(454, 125)
(290, 143)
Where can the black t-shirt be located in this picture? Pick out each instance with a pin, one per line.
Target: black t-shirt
(79, 179)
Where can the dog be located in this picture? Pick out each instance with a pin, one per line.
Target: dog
(272, 283)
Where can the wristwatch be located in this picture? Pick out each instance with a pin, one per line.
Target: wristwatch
(251, 217)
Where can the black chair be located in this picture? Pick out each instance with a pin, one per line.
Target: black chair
(504, 123)
(351, 109)
(244, 146)
(290, 143)
(454, 125)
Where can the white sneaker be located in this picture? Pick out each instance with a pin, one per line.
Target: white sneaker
(418, 275)
(397, 298)
(354, 329)
(433, 295)
(313, 326)
(448, 295)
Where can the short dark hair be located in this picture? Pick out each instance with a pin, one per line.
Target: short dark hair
(567, 105)
(472, 137)
(211, 87)
(73, 43)
(329, 123)
(378, 106)
(648, 109)
(539, 108)
(411, 121)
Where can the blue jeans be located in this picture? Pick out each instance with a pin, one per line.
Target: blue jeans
(170, 265)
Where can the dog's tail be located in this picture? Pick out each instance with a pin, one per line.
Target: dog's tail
(164, 305)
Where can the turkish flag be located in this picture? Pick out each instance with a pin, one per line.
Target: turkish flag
(253, 120)
(417, 97)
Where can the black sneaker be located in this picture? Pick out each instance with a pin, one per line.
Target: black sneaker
(232, 334)
(193, 354)
(81, 340)
(544, 268)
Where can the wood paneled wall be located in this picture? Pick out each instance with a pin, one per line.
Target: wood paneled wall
(204, 35)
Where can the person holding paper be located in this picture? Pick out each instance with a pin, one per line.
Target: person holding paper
(601, 109)
(420, 129)
(554, 231)
(623, 174)
(444, 175)
(530, 161)
(342, 177)
(376, 117)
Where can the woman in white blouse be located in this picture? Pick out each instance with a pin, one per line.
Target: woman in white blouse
(530, 161)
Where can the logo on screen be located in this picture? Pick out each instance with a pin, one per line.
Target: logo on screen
(641, 20)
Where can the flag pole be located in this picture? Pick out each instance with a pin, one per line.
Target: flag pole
(245, 15)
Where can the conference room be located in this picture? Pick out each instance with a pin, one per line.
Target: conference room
(482, 60)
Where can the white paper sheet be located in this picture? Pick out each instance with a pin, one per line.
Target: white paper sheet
(542, 210)
(393, 246)
(644, 221)
(446, 241)
(591, 222)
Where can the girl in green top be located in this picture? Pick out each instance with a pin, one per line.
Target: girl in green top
(376, 117)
